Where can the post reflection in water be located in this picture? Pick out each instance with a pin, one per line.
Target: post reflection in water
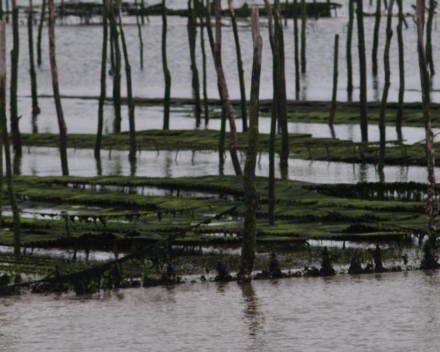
(253, 317)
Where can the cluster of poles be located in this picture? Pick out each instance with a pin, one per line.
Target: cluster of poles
(112, 18)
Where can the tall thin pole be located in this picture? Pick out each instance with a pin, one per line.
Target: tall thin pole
(335, 82)
(363, 71)
(349, 40)
(376, 36)
(386, 59)
(4, 139)
(432, 203)
(166, 71)
(296, 40)
(250, 190)
(56, 90)
(35, 108)
(40, 31)
(106, 5)
(399, 116)
(303, 35)
(15, 130)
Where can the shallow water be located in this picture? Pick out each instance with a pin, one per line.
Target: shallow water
(38, 161)
(377, 312)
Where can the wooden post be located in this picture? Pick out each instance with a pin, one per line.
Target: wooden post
(141, 43)
(363, 71)
(114, 36)
(15, 130)
(35, 109)
(296, 40)
(335, 82)
(192, 33)
(250, 190)
(166, 71)
(240, 68)
(202, 45)
(286, 12)
(142, 12)
(224, 88)
(386, 59)
(349, 40)
(429, 58)
(105, 9)
(399, 116)
(131, 120)
(273, 46)
(56, 91)
(5, 140)
(303, 35)
(282, 99)
(40, 31)
(432, 204)
(221, 142)
(376, 36)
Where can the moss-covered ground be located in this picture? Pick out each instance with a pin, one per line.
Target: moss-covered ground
(97, 216)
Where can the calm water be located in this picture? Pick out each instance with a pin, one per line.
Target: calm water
(378, 312)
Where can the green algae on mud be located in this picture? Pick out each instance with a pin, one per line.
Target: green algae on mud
(304, 211)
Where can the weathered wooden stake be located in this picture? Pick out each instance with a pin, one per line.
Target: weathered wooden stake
(399, 115)
(202, 45)
(5, 140)
(335, 82)
(131, 119)
(282, 99)
(40, 31)
(432, 204)
(363, 71)
(429, 58)
(224, 88)
(56, 91)
(349, 40)
(166, 71)
(141, 43)
(376, 36)
(15, 130)
(250, 190)
(296, 40)
(116, 70)
(105, 9)
(240, 68)
(221, 142)
(35, 109)
(192, 34)
(303, 35)
(273, 46)
(386, 59)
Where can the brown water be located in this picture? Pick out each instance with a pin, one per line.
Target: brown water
(378, 312)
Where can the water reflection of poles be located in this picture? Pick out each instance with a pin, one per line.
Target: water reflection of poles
(56, 91)
(251, 312)
(386, 88)
(432, 204)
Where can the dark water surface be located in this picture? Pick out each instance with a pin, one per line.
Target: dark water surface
(377, 312)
